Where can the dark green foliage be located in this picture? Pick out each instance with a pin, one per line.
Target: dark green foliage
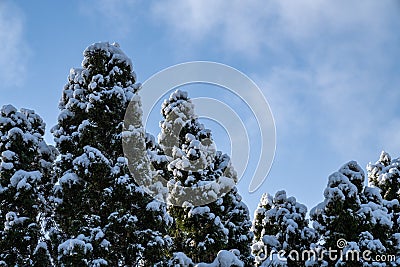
(236, 219)
(102, 216)
(385, 175)
(89, 208)
(205, 222)
(280, 224)
(25, 178)
(354, 213)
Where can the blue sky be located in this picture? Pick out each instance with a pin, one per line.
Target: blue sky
(329, 69)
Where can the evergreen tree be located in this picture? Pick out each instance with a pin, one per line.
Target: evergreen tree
(25, 177)
(224, 258)
(280, 224)
(384, 176)
(236, 218)
(354, 213)
(198, 175)
(103, 218)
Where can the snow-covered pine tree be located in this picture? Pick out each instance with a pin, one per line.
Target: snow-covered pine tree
(384, 176)
(280, 224)
(103, 217)
(354, 213)
(377, 227)
(236, 218)
(26, 164)
(224, 258)
(197, 174)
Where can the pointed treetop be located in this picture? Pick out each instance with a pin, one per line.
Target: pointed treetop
(112, 51)
(25, 118)
(355, 173)
(385, 159)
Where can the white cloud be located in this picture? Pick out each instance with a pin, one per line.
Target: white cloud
(328, 67)
(252, 26)
(196, 18)
(352, 112)
(233, 23)
(119, 15)
(13, 48)
(336, 81)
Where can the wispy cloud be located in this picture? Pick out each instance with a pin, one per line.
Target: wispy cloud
(346, 113)
(253, 26)
(238, 25)
(331, 77)
(343, 93)
(328, 68)
(13, 48)
(120, 16)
